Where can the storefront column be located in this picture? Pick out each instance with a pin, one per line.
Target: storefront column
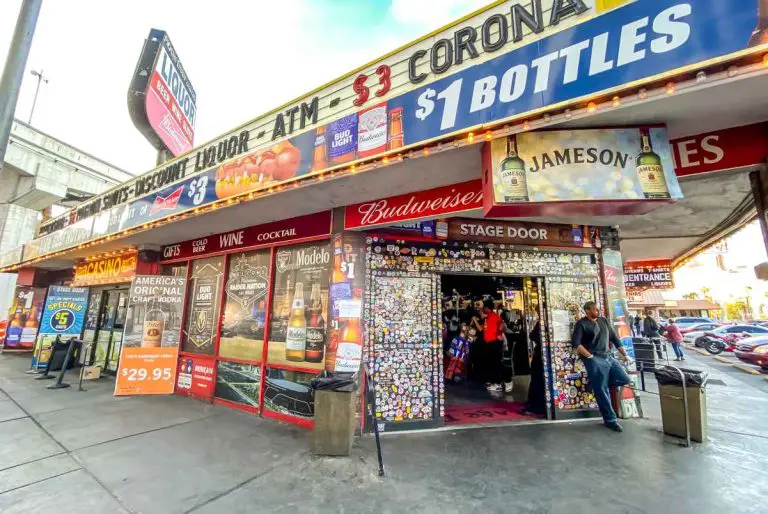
(759, 182)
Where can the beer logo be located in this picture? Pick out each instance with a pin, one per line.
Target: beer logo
(201, 320)
(283, 261)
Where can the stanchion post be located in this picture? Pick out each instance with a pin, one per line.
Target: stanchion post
(370, 392)
(46, 375)
(59, 384)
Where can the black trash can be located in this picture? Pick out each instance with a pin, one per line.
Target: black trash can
(646, 353)
(59, 351)
(335, 401)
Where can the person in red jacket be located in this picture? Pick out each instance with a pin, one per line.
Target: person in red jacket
(673, 335)
(493, 334)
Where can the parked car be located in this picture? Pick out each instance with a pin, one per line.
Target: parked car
(699, 327)
(753, 350)
(692, 337)
(687, 321)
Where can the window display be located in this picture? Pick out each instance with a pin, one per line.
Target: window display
(289, 393)
(203, 306)
(245, 309)
(299, 306)
(238, 383)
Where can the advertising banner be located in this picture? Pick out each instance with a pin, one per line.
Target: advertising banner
(639, 276)
(440, 201)
(278, 232)
(615, 292)
(628, 165)
(721, 150)
(63, 315)
(245, 308)
(150, 351)
(203, 306)
(110, 270)
(195, 377)
(24, 318)
(297, 335)
(239, 384)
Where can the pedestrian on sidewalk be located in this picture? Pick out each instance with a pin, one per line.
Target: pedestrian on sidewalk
(592, 337)
(652, 331)
(673, 335)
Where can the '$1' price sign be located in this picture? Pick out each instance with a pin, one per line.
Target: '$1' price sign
(447, 99)
(142, 374)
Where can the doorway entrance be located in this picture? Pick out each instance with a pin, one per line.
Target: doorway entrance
(492, 375)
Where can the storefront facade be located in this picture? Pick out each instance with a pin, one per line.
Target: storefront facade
(496, 147)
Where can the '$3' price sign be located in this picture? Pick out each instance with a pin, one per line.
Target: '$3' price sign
(142, 374)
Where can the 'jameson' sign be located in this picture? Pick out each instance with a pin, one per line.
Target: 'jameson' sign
(648, 275)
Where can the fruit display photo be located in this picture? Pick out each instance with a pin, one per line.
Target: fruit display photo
(281, 161)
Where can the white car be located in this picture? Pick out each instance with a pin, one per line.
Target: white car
(691, 337)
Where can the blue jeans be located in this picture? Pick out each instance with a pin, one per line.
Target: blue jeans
(678, 350)
(605, 372)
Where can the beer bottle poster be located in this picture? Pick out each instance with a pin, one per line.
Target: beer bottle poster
(300, 306)
(245, 308)
(24, 318)
(203, 305)
(150, 346)
(603, 164)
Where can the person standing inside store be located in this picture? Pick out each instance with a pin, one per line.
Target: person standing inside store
(592, 338)
(631, 321)
(652, 331)
(638, 329)
(493, 334)
(675, 337)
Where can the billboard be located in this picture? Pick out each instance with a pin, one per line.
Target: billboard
(150, 351)
(161, 100)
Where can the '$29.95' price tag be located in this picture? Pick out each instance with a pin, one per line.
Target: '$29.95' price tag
(142, 374)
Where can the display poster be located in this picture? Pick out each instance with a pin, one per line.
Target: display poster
(203, 306)
(24, 318)
(150, 348)
(297, 334)
(63, 315)
(602, 164)
(195, 376)
(238, 383)
(613, 276)
(245, 307)
(289, 393)
(345, 348)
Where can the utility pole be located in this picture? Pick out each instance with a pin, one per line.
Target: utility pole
(40, 78)
(13, 72)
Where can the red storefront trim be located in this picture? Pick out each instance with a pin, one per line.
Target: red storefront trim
(305, 423)
(233, 405)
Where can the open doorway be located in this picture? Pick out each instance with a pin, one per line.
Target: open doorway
(499, 380)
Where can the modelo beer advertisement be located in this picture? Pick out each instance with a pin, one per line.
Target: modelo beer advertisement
(63, 315)
(558, 166)
(203, 308)
(300, 306)
(24, 318)
(245, 309)
(148, 359)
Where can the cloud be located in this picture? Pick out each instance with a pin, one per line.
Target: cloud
(432, 13)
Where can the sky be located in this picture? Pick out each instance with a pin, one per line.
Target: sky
(244, 58)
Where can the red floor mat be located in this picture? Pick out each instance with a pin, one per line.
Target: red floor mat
(485, 413)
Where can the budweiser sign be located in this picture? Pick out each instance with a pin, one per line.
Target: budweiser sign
(431, 203)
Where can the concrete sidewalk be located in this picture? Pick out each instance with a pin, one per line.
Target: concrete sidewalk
(91, 452)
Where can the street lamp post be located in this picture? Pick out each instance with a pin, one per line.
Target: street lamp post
(40, 78)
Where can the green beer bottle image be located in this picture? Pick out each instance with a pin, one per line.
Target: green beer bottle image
(513, 179)
(650, 170)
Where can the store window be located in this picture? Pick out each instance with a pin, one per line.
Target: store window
(239, 383)
(203, 306)
(245, 308)
(289, 393)
(300, 306)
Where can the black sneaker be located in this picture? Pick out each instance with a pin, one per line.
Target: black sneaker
(615, 427)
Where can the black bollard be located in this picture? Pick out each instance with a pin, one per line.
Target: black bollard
(59, 384)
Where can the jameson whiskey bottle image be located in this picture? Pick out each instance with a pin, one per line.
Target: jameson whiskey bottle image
(315, 327)
(296, 334)
(650, 170)
(154, 324)
(513, 179)
(760, 34)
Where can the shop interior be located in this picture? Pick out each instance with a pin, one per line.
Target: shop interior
(470, 364)
(104, 324)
